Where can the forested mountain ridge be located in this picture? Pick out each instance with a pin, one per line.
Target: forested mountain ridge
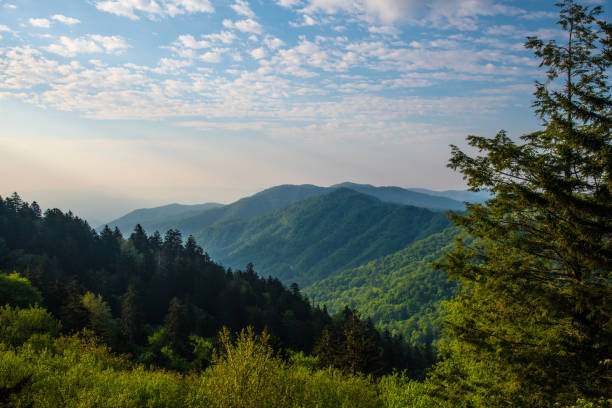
(401, 292)
(321, 236)
(273, 199)
(404, 196)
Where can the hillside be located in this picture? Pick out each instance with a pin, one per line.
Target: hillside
(400, 292)
(318, 237)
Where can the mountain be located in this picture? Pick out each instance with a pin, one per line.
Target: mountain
(457, 195)
(400, 292)
(400, 195)
(190, 222)
(320, 236)
(152, 219)
(262, 203)
(192, 219)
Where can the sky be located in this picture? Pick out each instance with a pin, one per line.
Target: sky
(112, 105)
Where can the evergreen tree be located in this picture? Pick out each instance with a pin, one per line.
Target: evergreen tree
(531, 326)
(132, 316)
(177, 328)
(73, 314)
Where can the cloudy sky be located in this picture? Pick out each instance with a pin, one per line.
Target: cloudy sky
(108, 105)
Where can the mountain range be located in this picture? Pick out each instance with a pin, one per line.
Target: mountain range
(190, 219)
(348, 244)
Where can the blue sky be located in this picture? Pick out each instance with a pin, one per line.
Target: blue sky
(109, 105)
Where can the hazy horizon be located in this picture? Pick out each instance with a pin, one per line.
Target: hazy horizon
(98, 208)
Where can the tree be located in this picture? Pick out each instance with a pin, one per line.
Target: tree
(531, 325)
(132, 316)
(100, 318)
(177, 328)
(351, 345)
(18, 291)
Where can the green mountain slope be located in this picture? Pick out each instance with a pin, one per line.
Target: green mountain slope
(261, 203)
(400, 292)
(403, 196)
(321, 236)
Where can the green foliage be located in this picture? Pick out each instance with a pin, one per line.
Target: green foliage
(531, 326)
(101, 320)
(401, 292)
(83, 374)
(17, 326)
(17, 291)
(321, 236)
(399, 392)
(247, 374)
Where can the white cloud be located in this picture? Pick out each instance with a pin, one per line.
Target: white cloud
(246, 26)
(69, 47)
(307, 21)
(526, 89)
(167, 65)
(65, 20)
(226, 37)
(288, 3)
(10, 6)
(502, 30)
(463, 15)
(536, 15)
(5, 28)
(258, 53)
(189, 41)
(153, 8)
(40, 22)
(386, 12)
(385, 30)
(242, 7)
(111, 44)
(211, 56)
(273, 42)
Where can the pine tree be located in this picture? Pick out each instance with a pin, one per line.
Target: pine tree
(177, 328)
(531, 326)
(132, 316)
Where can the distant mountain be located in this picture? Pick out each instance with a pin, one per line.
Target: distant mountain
(457, 195)
(152, 219)
(400, 292)
(192, 219)
(321, 236)
(404, 196)
(262, 203)
(190, 222)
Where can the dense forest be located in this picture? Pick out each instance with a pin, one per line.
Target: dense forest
(100, 320)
